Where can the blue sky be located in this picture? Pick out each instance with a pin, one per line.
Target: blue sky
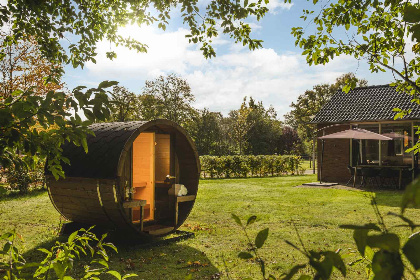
(276, 74)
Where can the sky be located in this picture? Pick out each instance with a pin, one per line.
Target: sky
(275, 74)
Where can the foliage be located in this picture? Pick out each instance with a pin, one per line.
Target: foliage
(378, 32)
(22, 177)
(85, 23)
(122, 104)
(322, 262)
(60, 258)
(170, 97)
(22, 67)
(290, 142)
(35, 126)
(206, 131)
(265, 131)
(244, 166)
(241, 124)
(252, 247)
(380, 249)
(310, 102)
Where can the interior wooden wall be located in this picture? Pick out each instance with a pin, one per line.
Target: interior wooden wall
(163, 156)
(144, 172)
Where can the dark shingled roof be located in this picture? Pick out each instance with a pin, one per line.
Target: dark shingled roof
(372, 103)
(104, 150)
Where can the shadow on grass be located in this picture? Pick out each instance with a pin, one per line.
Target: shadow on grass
(172, 261)
(6, 195)
(388, 198)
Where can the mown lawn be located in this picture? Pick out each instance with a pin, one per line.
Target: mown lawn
(316, 212)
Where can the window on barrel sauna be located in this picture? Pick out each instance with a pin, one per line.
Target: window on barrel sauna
(144, 175)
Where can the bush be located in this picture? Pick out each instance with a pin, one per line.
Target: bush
(60, 259)
(21, 178)
(245, 166)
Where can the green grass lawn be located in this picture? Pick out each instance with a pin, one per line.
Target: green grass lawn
(305, 165)
(316, 212)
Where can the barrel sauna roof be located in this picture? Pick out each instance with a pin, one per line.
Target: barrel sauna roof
(105, 149)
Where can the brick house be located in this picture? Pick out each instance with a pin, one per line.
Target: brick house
(369, 108)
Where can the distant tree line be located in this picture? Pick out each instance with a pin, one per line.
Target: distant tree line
(252, 129)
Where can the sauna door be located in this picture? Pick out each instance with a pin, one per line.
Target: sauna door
(164, 203)
(144, 174)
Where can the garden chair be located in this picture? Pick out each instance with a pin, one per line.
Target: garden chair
(351, 171)
(389, 175)
(369, 176)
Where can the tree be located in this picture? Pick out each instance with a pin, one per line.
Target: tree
(240, 125)
(23, 67)
(376, 31)
(310, 102)
(265, 131)
(170, 98)
(289, 142)
(206, 131)
(123, 104)
(84, 23)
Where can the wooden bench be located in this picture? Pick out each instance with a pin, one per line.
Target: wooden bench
(180, 199)
(134, 203)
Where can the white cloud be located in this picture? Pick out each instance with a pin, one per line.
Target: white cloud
(275, 5)
(167, 52)
(220, 83)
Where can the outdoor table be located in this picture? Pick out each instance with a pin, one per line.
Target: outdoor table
(399, 167)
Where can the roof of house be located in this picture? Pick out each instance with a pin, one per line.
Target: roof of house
(373, 103)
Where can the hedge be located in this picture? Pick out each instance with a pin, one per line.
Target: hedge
(249, 166)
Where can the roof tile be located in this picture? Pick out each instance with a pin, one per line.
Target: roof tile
(371, 103)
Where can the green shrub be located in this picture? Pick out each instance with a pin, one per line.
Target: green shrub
(250, 165)
(21, 177)
(60, 259)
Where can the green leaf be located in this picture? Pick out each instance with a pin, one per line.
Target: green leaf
(386, 241)
(305, 277)
(129, 275)
(251, 220)
(237, 220)
(387, 265)
(411, 14)
(102, 262)
(84, 144)
(115, 274)
(245, 255)
(261, 238)
(107, 84)
(411, 196)
(72, 237)
(59, 269)
(411, 250)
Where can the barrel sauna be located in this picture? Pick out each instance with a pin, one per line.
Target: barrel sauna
(130, 177)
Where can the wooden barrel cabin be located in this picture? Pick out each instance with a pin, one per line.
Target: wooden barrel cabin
(139, 176)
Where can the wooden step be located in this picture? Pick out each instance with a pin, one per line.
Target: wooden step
(157, 229)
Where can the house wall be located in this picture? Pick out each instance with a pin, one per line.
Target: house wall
(336, 155)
